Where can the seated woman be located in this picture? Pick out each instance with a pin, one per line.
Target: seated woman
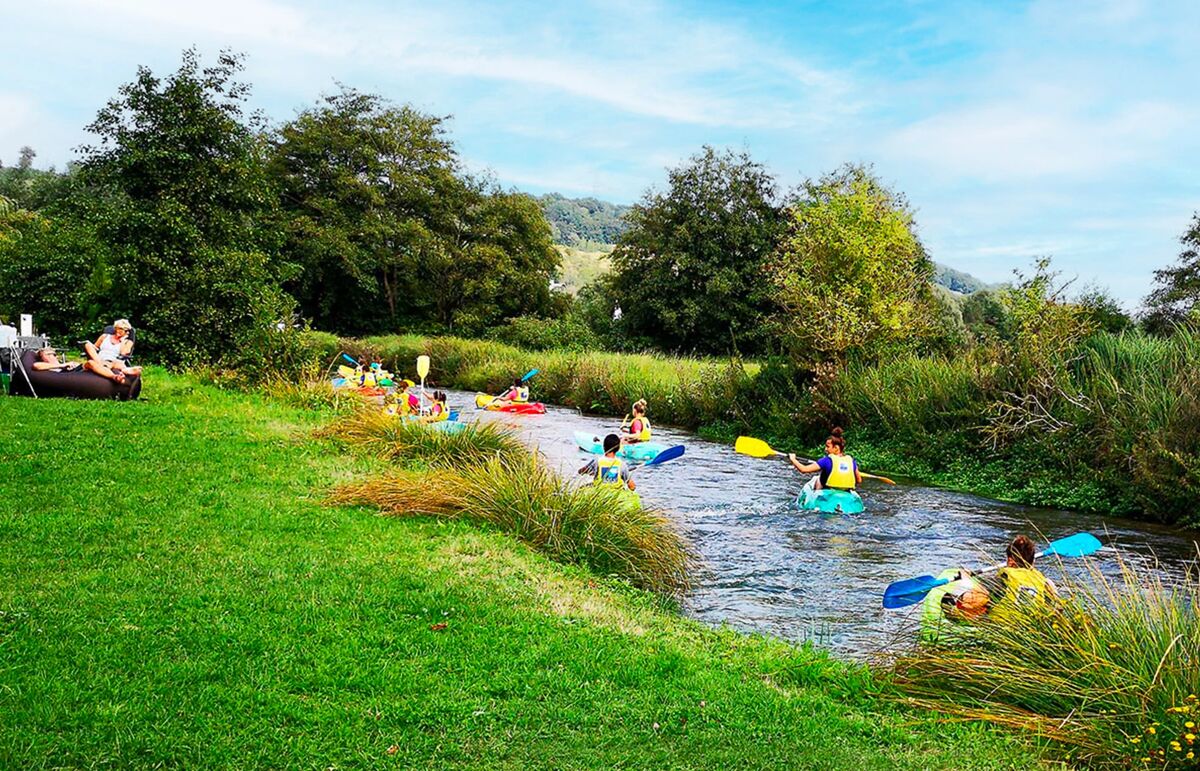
(107, 356)
(47, 360)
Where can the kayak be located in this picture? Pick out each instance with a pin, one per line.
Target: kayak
(641, 451)
(828, 501)
(937, 625)
(484, 402)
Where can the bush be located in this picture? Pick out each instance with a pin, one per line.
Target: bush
(1113, 678)
(569, 333)
(513, 491)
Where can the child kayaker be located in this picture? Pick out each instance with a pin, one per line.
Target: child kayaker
(608, 470)
(517, 393)
(837, 470)
(638, 429)
(438, 410)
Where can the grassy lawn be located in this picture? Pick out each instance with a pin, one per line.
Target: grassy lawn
(174, 592)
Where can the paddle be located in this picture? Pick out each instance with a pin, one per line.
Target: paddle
(347, 357)
(757, 448)
(671, 453)
(910, 591)
(422, 371)
(526, 376)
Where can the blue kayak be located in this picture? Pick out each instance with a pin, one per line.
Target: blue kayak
(828, 501)
(641, 451)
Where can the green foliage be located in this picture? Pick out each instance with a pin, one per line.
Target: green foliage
(373, 431)
(570, 332)
(688, 273)
(179, 193)
(55, 270)
(985, 316)
(1104, 311)
(34, 189)
(1177, 294)
(581, 268)
(388, 231)
(850, 274)
(583, 222)
(1111, 676)
(957, 280)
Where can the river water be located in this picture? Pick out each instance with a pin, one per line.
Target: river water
(767, 567)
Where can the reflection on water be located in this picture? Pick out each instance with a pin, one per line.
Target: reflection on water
(770, 568)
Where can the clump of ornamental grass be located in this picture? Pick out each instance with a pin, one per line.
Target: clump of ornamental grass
(389, 436)
(600, 528)
(1112, 676)
(311, 394)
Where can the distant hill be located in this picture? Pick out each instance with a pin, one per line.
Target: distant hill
(586, 229)
(584, 222)
(957, 281)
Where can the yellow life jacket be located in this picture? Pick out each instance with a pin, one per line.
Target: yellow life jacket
(644, 434)
(519, 395)
(1026, 591)
(841, 476)
(438, 413)
(608, 472)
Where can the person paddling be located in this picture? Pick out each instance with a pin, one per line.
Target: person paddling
(838, 471)
(1018, 588)
(638, 429)
(438, 411)
(517, 393)
(609, 470)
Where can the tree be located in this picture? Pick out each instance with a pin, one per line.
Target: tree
(389, 232)
(687, 274)
(1104, 310)
(25, 161)
(180, 193)
(1178, 292)
(851, 274)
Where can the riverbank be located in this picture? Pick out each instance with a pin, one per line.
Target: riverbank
(1116, 436)
(175, 591)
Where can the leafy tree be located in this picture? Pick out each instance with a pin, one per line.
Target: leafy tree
(851, 274)
(1104, 310)
(25, 160)
(1177, 294)
(180, 192)
(688, 273)
(985, 316)
(55, 270)
(388, 231)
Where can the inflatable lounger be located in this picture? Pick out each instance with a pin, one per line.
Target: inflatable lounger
(76, 384)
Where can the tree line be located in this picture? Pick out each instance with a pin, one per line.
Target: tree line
(214, 229)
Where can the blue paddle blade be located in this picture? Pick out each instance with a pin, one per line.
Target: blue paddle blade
(529, 374)
(346, 356)
(910, 591)
(453, 415)
(671, 453)
(1078, 545)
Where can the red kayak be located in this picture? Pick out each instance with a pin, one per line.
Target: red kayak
(485, 402)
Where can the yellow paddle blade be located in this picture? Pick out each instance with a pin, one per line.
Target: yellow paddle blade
(482, 400)
(422, 366)
(757, 448)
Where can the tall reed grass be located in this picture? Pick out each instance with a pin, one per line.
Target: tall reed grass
(681, 391)
(1112, 677)
(388, 436)
(601, 529)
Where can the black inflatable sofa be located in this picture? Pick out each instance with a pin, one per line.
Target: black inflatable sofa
(76, 384)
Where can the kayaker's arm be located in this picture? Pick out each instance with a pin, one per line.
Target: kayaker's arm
(803, 468)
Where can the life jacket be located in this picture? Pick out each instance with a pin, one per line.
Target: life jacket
(519, 394)
(643, 432)
(414, 403)
(1026, 591)
(841, 476)
(438, 413)
(608, 472)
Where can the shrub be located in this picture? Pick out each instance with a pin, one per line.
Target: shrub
(373, 430)
(1113, 678)
(516, 493)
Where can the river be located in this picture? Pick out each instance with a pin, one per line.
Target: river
(767, 567)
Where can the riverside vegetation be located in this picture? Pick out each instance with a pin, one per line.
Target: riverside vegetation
(218, 611)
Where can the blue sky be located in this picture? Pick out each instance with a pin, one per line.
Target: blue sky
(1054, 128)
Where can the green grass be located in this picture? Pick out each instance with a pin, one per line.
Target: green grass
(175, 592)
(581, 267)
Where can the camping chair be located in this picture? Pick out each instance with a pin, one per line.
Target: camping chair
(16, 349)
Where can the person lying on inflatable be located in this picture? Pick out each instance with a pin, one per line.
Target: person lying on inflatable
(48, 361)
(638, 429)
(609, 470)
(107, 357)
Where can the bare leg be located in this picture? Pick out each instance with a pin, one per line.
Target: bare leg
(98, 367)
(92, 353)
(119, 366)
